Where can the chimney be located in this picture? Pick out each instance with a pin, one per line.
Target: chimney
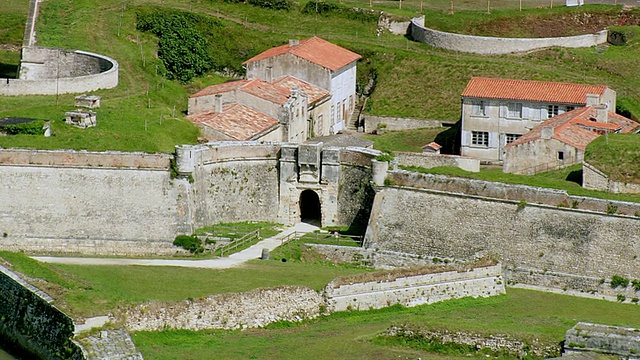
(546, 132)
(218, 103)
(593, 99)
(269, 74)
(294, 42)
(602, 113)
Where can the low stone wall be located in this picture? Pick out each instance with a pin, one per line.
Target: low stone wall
(69, 158)
(29, 321)
(498, 343)
(522, 193)
(493, 45)
(110, 345)
(84, 72)
(250, 309)
(615, 340)
(371, 122)
(595, 179)
(428, 161)
(415, 290)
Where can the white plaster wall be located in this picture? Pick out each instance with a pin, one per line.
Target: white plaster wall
(343, 86)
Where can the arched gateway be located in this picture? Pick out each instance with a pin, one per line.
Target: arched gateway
(310, 209)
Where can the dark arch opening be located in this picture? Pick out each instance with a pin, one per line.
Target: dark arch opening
(310, 211)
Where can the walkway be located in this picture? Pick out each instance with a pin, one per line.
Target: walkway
(253, 252)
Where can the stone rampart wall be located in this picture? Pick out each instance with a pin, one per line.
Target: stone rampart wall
(615, 340)
(416, 290)
(493, 45)
(428, 161)
(82, 72)
(250, 309)
(538, 237)
(29, 321)
(67, 158)
(371, 122)
(515, 192)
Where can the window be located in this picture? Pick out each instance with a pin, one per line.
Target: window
(478, 108)
(569, 108)
(514, 110)
(552, 110)
(511, 138)
(480, 138)
(560, 155)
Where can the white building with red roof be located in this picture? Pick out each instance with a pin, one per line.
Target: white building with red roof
(561, 141)
(496, 112)
(315, 61)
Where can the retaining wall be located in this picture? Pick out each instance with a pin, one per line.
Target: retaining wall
(615, 340)
(595, 179)
(31, 322)
(80, 72)
(416, 290)
(539, 237)
(371, 122)
(250, 309)
(494, 45)
(428, 161)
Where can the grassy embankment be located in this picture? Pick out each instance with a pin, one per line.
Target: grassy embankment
(617, 155)
(413, 79)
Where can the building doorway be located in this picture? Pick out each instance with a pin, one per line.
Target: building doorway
(310, 210)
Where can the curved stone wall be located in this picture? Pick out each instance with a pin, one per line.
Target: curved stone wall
(494, 45)
(49, 71)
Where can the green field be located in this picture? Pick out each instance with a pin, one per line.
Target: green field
(351, 335)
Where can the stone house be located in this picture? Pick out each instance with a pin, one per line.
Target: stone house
(318, 62)
(253, 110)
(562, 140)
(496, 112)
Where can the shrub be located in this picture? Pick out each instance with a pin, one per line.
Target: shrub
(621, 297)
(189, 242)
(617, 280)
(273, 4)
(611, 208)
(385, 156)
(323, 8)
(636, 285)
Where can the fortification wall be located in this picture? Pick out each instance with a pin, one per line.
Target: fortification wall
(595, 179)
(80, 71)
(415, 290)
(538, 237)
(371, 122)
(494, 45)
(29, 321)
(428, 161)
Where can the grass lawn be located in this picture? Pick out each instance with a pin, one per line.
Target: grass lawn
(97, 290)
(405, 140)
(523, 313)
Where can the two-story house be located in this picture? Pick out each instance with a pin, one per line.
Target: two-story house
(496, 112)
(317, 62)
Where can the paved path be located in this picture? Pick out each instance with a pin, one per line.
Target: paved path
(253, 252)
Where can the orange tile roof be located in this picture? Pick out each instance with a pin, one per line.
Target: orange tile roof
(220, 88)
(267, 91)
(578, 127)
(314, 93)
(236, 121)
(315, 50)
(529, 90)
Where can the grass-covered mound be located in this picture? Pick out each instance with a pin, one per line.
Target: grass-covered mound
(617, 155)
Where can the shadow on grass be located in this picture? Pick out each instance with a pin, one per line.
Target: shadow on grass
(8, 71)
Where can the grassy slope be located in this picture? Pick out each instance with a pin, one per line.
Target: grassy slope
(412, 140)
(524, 313)
(617, 155)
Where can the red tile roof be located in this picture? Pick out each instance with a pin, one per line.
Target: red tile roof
(315, 50)
(314, 93)
(220, 88)
(433, 145)
(256, 87)
(529, 90)
(237, 121)
(579, 127)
